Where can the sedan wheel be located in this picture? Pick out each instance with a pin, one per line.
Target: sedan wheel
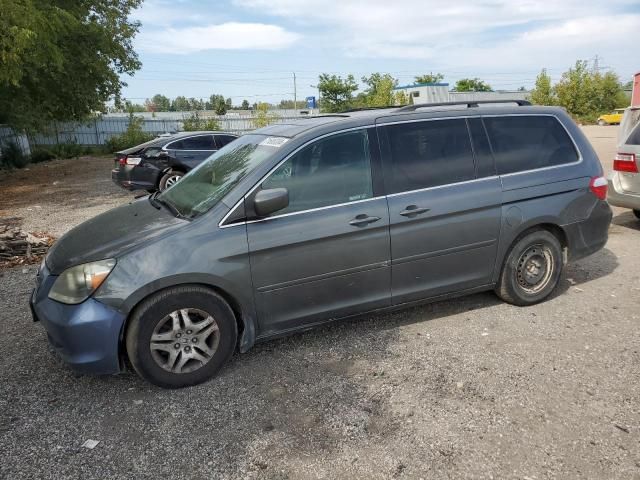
(169, 179)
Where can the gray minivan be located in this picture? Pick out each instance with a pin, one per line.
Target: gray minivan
(320, 219)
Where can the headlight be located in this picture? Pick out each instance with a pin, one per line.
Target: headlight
(77, 283)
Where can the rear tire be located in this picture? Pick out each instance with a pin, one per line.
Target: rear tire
(602, 123)
(531, 270)
(637, 214)
(181, 336)
(169, 179)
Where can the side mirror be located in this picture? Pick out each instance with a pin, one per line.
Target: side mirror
(271, 200)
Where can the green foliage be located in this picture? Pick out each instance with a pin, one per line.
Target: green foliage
(263, 116)
(401, 98)
(41, 154)
(587, 94)
(158, 103)
(218, 103)
(62, 59)
(336, 92)
(12, 156)
(196, 123)
(472, 85)
(543, 93)
(430, 78)
(67, 150)
(380, 90)
(245, 104)
(180, 104)
(134, 135)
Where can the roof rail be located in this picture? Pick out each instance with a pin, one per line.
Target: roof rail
(364, 109)
(469, 104)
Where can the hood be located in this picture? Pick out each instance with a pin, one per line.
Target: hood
(110, 234)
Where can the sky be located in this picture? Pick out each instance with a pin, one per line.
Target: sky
(250, 49)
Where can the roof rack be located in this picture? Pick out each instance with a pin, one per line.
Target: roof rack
(469, 104)
(364, 109)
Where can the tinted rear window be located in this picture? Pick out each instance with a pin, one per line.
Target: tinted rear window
(224, 139)
(528, 142)
(427, 154)
(202, 142)
(634, 138)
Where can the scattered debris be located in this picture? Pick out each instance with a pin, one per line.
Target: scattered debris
(620, 427)
(90, 444)
(18, 247)
(137, 402)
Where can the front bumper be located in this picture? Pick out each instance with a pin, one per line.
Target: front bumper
(618, 197)
(86, 336)
(590, 235)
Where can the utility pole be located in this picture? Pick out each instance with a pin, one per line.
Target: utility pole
(295, 92)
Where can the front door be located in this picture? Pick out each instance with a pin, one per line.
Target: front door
(444, 209)
(327, 254)
(190, 152)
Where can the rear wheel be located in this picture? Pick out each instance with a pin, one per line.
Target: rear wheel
(531, 270)
(170, 178)
(636, 213)
(602, 123)
(181, 336)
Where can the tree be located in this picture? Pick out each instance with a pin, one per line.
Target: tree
(245, 105)
(62, 59)
(543, 94)
(430, 78)
(229, 103)
(263, 116)
(472, 85)
(336, 92)
(401, 98)
(180, 104)
(217, 103)
(195, 122)
(162, 103)
(380, 90)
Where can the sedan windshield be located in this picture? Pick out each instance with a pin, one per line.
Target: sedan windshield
(206, 184)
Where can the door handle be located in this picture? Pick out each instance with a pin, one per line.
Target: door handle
(362, 220)
(412, 210)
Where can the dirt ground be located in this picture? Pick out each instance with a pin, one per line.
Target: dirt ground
(467, 388)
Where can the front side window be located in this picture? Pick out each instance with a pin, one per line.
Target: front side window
(331, 171)
(427, 154)
(521, 142)
(222, 140)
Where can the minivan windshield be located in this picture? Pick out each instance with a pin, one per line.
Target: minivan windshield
(206, 184)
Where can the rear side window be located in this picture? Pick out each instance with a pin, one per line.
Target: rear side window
(222, 140)
(202, 142)
(427, 154)
(528, 142)
(331, 171)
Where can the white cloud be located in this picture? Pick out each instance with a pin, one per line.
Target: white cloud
(224, 36)
(505, 33)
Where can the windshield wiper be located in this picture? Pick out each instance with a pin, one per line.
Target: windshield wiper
(157, 202)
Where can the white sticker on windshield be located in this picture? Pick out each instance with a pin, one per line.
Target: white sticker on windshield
(274, 141)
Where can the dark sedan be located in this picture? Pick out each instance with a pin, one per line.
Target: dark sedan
(158, 164)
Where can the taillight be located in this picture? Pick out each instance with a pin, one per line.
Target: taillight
(598, 187)
(625, 162)
(126, 160)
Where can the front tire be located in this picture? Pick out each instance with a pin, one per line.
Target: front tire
(531, 270)
(170, 178)
(181, 336)
(602, 123)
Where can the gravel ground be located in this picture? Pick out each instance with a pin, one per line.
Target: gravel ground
(468, 388)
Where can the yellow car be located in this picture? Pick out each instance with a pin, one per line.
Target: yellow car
(613, 118)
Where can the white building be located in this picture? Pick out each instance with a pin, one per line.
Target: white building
(439, 92)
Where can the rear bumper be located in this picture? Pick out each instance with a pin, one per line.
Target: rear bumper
(618, 197)
(132, 177)
(590, 235)
(85, 336)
